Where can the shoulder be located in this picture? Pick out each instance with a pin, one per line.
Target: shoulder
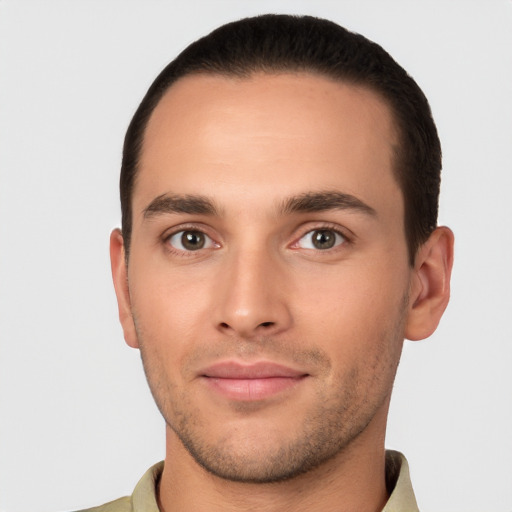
(143, 498)
(119, 505)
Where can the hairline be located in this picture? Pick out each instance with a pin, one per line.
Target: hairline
(248, 74)
(398, 151)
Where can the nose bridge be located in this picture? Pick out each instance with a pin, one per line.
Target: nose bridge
(252, 300)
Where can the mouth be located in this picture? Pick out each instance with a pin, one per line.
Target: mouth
(251, 382)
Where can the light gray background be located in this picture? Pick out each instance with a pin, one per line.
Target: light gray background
(78, 426)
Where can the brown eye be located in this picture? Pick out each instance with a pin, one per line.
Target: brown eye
(190, 240)
(321, 239)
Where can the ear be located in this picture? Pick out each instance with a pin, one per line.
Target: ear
(430, 288)
(120, 278)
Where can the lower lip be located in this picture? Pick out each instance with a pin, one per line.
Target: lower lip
(252, 389)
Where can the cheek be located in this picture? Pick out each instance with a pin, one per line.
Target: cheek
(351, 309)
(169, 310)
(349, 289)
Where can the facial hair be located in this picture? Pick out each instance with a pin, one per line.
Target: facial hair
(343, 407)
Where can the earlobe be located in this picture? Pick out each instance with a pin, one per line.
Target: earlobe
(120, 278)
(430, 289)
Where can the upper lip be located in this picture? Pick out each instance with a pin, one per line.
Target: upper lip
(257, 370)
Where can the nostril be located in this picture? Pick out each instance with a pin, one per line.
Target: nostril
(244, 329)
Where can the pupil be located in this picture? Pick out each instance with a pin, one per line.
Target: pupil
(192, 240)
(323, 239)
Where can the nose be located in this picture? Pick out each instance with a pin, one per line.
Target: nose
(251, 298)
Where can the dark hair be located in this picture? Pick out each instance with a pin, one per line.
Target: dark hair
(280, 43)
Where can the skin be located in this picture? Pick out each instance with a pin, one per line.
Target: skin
(250, 151)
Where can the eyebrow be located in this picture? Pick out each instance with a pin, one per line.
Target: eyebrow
(191, 204)
(304, 203)
(324, 201)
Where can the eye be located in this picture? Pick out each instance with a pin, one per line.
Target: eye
(321, 239)
(190, 240)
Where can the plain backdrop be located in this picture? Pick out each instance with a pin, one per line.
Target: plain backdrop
(78, 426)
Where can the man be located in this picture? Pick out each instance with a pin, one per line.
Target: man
(279, 193)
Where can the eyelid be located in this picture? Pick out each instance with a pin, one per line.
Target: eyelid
(200, 228)
(187, 226)
(209, 243)
(310, 227)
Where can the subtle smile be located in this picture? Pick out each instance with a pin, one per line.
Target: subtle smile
(251, 382)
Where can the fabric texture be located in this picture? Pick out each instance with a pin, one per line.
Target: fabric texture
(398, 481)
(144, 499)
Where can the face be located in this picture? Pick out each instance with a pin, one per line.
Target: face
(268, 278)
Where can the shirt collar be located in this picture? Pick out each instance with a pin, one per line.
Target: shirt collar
(398, 481)
(399, 485)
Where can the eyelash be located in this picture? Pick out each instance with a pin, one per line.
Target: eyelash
(347, 239)
(184, 229)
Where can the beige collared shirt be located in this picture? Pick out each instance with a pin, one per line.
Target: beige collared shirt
(143, 498)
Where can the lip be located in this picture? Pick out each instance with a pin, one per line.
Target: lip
(250, 382)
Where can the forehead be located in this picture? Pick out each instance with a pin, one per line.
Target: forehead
(268, 132)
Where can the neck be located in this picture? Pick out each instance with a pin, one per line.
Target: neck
(352, 480)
